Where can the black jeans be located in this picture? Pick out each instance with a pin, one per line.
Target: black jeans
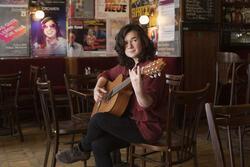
(107, 133)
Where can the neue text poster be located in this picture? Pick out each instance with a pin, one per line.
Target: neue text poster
(111, 9)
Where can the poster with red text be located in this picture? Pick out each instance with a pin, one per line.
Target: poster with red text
(14, 2)
(14, 36)
(111, 9)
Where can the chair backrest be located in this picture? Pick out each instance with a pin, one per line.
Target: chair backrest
(9, 90)
(79, 90)
(215, 138)
(43, 73)
(34, 71)
(174, 81)
(225, 72)
(184, 138)
(48, 106)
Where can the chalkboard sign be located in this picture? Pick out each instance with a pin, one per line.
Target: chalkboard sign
(199, 10)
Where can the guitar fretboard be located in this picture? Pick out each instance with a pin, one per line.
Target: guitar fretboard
(119, 87)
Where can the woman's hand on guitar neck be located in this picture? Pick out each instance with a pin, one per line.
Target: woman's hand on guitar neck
(143, 99)
(135, 77)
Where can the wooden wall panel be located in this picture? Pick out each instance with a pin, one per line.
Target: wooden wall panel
(199, 52)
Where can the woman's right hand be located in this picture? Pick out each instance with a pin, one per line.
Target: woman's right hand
(99, 94)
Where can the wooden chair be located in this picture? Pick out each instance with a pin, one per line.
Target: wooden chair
(174, 83)
(181, 141)
(80, 95)
(231, 117)
(31, 96)
(226, 65)
(9, 92)
(61, 98)
(55, 129)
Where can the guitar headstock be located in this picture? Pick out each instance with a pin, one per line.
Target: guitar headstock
(154, 68)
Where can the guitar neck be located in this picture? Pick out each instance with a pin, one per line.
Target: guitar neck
(152, 68)
(119, 87)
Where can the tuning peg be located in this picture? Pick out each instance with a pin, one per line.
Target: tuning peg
(159, 74)
(155, 75)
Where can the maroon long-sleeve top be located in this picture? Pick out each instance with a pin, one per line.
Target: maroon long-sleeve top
(150, 120)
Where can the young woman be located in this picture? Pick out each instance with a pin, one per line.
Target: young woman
(51, 40)
(142, 120)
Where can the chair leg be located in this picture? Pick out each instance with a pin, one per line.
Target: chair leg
(208, 135)
(55, 150)
(143, 162)
(163, 158)
(17, 123)
(116, 156)
(72, 141)
(242, 164)
(230, 147)
(195, 156)
(85, 164)
(47, 153)
(37, 112)
(131, 158)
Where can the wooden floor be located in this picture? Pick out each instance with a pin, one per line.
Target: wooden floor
(30, 153)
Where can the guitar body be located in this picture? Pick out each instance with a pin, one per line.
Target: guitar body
(117, 104)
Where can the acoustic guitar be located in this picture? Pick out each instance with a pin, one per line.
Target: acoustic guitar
(119, 91)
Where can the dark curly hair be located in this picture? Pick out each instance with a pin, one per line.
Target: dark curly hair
(148, 49)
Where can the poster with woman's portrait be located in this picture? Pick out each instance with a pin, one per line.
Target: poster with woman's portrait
(94, 35)
(48, 35)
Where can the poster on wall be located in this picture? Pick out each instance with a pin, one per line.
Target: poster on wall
(48, 35)
(146, 7)
(111, 8)
(75, 37)
(153, 35)
(113, 27)
(168, 36)
(14, 36)
(94, 35)
(14, 2)
(80, 9)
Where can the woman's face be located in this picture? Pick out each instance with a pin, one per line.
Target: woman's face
(49, 29)
(133, 47)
